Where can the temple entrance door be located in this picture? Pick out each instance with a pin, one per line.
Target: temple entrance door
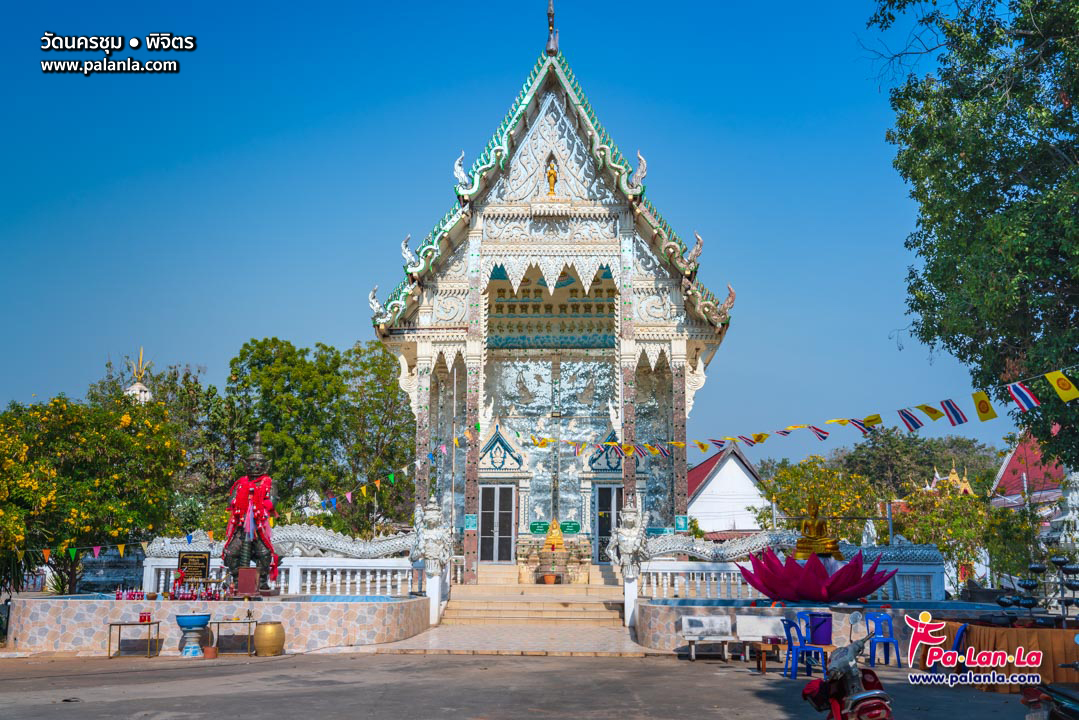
(608, 503)
(496, 526)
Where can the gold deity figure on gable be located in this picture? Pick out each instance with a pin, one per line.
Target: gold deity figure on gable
(552, 176)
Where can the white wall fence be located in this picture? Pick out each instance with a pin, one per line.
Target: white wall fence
(669, 578)
(313, 575)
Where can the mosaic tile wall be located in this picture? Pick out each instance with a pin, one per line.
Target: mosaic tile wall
(81, 626)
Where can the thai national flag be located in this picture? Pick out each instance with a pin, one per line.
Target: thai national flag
(640, 450)
(663, 450)
(720, 444)
(784, 433)
(618, 450)
(1023, 397)
(910, 419)
(955, 415)
(747, 440)
(821, 434)
(858, 424)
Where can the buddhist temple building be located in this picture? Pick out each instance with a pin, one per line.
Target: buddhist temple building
(552, 305)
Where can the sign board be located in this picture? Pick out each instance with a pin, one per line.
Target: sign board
(196, 565)
(660, 531)
(571, 527)
(681, 523)
(471, 522)
(539, 527)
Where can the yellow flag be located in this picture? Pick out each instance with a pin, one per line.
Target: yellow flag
(676, 443)
(19, 553)
(981, 405)
(468, 434)
(363, 489)
(702, 446)
(271, 521)
(611, 444)
(841, 421)
(796, 427)
(730, 439)
(931, 411)
(1065, 388)
(144, 545)
(760, 437)
(653, 450)
(871, 420)
(121, 547)
(288, 516)
(455, 443)
(210, 535)
(628, 449)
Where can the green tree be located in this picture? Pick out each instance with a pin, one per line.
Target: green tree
(989, 144)
(79, 475)
(891, 458)
(838, 494)
(297, 399)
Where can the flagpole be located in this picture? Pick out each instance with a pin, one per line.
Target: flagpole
(453, 462)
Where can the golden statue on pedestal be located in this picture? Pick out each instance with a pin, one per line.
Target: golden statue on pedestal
(554, 540)
(815, 540)
(552, 177)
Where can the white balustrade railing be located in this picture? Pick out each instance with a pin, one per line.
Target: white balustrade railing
(680, 579)
(314, 576)
(457, 570)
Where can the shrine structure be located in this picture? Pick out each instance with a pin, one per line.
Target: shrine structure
(551, 305)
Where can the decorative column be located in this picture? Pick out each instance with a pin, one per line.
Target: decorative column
(423, 422)
(678, 425)
(627, 358)
(475, 339)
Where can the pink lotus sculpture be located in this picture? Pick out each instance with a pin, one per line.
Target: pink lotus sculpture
(792, 581)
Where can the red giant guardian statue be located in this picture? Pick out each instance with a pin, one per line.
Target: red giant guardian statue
(251, 506)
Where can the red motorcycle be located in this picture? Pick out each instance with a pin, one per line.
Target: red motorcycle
(849, 692)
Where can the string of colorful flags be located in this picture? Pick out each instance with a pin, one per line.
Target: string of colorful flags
(1019, 391)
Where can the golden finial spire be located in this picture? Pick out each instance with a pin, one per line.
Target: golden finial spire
(140, 369)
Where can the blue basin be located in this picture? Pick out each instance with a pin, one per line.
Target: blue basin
(193, 622)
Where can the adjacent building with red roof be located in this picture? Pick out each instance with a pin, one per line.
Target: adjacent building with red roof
(720, 489)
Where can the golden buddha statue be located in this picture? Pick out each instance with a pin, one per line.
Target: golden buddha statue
(815, 540)
(554, 540)
(552, 177)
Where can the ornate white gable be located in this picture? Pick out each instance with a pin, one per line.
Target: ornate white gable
(553, 134)
(499, 456)
(607, 460)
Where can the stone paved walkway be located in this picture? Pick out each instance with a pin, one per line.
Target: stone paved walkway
(531, 639)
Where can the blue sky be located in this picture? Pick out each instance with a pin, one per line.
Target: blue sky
(266, 187)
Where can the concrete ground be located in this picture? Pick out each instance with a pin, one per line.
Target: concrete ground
(435, 686)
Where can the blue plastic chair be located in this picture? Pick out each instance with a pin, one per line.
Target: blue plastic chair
(957, 645)
(799, 651)
(881, 633)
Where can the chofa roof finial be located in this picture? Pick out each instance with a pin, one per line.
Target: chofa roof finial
(552, 34)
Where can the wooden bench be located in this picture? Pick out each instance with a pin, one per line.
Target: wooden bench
(707, 628)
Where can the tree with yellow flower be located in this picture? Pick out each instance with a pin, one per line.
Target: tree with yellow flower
(74, 475)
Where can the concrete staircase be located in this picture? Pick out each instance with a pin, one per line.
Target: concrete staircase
(499, 600)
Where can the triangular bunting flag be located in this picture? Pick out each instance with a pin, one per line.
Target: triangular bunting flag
(72, 552)
(189, 538)
(121, 547)
(19, 554)
(1065, 388)
(271, 521)
(378, 483)
(144, 546)
(46, 552)
(468, 434)
(97, 550)
(393, 480)
(210, 535)
(363, 489)
(288, 516)
(455, 443)
(348, 496)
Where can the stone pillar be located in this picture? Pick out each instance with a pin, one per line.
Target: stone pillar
(475, 340)
(472, 466)
(629, 589)
(678, 426)
(627, 357)
(423, 426)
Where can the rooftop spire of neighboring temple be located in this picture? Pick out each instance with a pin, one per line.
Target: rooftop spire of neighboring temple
(552, 34)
